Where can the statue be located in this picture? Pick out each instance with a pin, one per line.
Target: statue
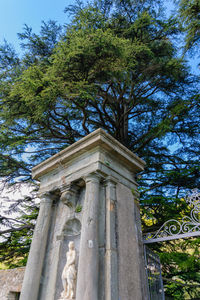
(69, 274)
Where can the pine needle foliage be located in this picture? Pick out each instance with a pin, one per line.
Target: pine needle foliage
(115, 65)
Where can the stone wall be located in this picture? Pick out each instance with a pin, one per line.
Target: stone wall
(11, 283)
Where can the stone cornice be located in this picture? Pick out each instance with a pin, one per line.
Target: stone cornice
(97, 138)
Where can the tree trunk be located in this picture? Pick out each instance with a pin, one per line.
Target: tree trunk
(123, 136)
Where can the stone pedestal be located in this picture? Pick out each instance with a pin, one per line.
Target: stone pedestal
(95, 209)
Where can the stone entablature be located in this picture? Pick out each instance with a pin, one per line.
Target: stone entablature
(97, 138)
(97, 151)
(11, 283)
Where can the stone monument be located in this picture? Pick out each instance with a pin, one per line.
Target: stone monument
(89, 212)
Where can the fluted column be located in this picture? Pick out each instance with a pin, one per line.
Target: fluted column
(111, 270)
(87, 280)
(31, 283)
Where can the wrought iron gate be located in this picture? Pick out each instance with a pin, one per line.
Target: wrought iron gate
(154, 277)
(188, 226)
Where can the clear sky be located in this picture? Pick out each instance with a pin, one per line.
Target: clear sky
(15, 13)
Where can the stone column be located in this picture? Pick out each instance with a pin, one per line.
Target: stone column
(111, 270)
(87, 280)
(31, 283)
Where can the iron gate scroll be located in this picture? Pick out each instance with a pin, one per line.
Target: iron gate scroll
(185, 227)
(154, 277)
(188, 226)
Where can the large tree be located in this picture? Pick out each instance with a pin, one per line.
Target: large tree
(114, 66)
(190, 15)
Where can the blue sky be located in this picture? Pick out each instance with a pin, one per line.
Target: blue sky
(15, 13)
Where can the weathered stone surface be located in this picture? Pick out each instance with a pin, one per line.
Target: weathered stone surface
(111, 254)
(64, 228)
(34, 266)
(11, 282)
(97, 151)
(130, 281)
(97, 138)
(96, 210)
(88, 267)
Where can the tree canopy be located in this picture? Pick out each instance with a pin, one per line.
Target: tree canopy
(116, 66)
(190, 14)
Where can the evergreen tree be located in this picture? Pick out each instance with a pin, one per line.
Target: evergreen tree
(190, 15)
(115, 66)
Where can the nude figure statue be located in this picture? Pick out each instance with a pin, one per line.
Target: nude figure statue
(69, 274)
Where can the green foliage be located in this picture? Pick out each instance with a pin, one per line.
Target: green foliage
(182, 267)
(190, 15)
(78, 208)
(17, 230)
(179, 258)
(114, 66)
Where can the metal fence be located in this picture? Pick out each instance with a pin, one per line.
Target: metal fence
(154, 277)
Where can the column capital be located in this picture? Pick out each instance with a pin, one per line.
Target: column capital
(111, 180)
(68, 194)
(49, 196)
(46, 197)
(94, 176)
